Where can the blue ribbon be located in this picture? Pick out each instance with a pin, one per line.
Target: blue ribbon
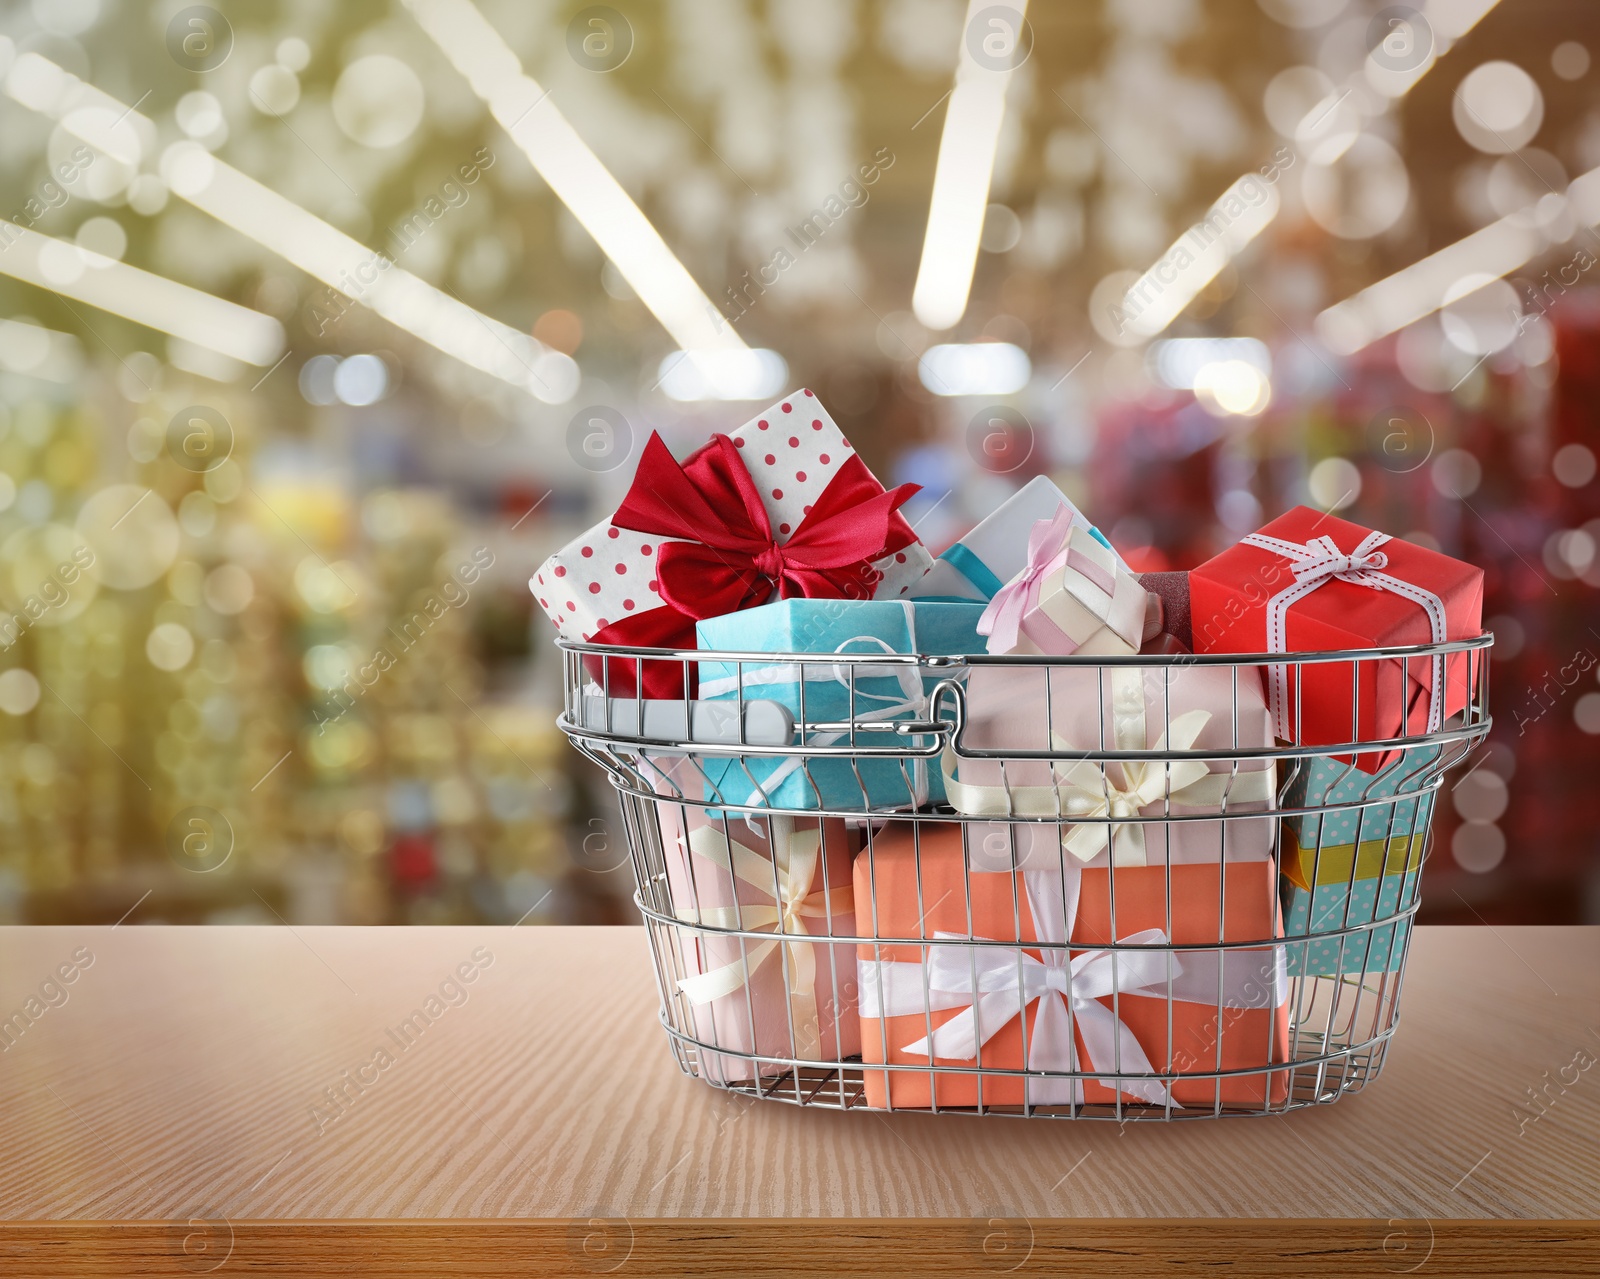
(967, 563)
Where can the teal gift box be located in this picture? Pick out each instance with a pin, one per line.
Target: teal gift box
(1350, 867)
(883, 693)
(1375, 950)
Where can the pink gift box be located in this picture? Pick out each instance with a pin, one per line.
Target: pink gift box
(1066, 709)
(789, 997)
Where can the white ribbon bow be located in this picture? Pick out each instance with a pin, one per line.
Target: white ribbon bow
(1085, 789)
(995, 984)
(1318, 562)
(795, 863)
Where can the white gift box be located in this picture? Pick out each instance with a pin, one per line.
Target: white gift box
(792, 451)
(997, 549)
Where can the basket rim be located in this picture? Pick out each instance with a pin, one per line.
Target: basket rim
(1467, 730)
(1349, 932)
(947, 661)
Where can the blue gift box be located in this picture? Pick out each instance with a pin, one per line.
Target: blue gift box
(1322, 780)
(1355, 865)
(1375, 950)
(882, 693)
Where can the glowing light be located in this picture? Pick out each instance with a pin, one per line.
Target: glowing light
(976, 368)
(169, 646)
(1159, 296)
(26, 347)
(1233, 386)
(1334, 483)
(1178, 361)
(1441, 278)
(1323, 135)
(1498, 107)
(575, 174)
(361, 380)
(346, 266)
(965, 168)
(353, 270)
(1362, 193)
(723, 375)
(151, 300)
(378, 101)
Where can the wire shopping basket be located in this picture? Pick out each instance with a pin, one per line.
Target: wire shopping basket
(1081, 887)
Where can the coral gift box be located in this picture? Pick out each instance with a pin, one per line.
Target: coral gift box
(1107, 1012)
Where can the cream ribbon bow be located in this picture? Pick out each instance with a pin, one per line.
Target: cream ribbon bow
(1085, 788)
(1318, 562)
(794, 866)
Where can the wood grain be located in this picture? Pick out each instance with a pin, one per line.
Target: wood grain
(795, 1249)
(179, 1082)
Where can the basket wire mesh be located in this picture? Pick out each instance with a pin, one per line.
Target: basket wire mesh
(803, 931)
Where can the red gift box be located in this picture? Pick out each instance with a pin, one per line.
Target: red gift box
(1223, 1009)
(1325, 584)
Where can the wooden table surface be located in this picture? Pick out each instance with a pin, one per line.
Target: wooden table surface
(170, 1115)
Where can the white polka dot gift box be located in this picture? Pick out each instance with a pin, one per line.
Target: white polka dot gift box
(780, 508)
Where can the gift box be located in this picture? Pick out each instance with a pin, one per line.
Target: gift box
(1070, 596)
(1118, 1015)
(1310, 582)
(995, 551)
(1168, 629)
(881, 693)
(1015, 709)
(1349, 867)
(784, 997)
(782, 507)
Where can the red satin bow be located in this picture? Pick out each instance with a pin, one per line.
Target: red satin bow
(728, 559)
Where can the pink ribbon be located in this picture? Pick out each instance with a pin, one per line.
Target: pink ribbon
(1047, 551)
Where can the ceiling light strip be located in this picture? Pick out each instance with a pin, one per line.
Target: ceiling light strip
(151, 300)
(576, 174)
(965, 167)
(1450, 21)
(293, 233)
(1432, 283)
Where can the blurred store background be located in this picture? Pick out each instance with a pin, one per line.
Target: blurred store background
(267, 650)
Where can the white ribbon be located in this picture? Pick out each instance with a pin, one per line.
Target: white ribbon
(995, 984)
(1318, 562)
(1086, 790)
(795, 864)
